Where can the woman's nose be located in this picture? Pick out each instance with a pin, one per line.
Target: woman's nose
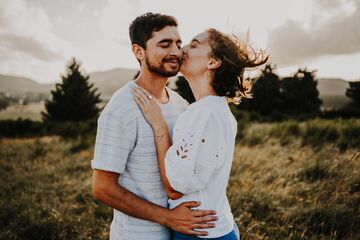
(184, 49)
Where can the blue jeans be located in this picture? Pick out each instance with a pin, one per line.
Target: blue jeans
(233, 235)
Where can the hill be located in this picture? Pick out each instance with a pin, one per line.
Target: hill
(106, 81)
(332, 90)
(111, 80)
(332, 86)
(18, 85)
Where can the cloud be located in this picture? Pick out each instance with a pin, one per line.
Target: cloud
(293, 43)
(330, 4)
(115, 18)
(22, 24)
(29, 46)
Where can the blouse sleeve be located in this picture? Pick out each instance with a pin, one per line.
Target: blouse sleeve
(197, 152)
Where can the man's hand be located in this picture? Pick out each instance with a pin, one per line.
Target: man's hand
(183, 219)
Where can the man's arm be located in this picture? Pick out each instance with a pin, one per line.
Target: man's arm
(105, 188)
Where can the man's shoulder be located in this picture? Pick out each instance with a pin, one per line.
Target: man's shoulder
(121, 102)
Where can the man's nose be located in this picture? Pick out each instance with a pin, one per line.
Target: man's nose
(175, 50)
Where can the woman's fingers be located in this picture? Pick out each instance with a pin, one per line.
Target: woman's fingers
(144, 93)
(138, 99)
(147, 93)
(141, 95)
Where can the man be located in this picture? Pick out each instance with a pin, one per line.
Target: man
(126, 175)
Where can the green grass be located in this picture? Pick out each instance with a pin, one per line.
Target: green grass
(281, 186)
(47, 194)
(342, 133)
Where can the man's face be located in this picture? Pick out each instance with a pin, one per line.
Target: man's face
(163, 55)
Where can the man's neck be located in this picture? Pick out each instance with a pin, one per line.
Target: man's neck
(155, 84)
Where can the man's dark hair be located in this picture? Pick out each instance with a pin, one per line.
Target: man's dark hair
(142, 27)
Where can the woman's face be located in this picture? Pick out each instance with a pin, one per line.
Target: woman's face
(196, 56)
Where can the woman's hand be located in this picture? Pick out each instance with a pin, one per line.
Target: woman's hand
(150, 109)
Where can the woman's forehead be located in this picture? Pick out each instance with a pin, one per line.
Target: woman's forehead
(201, 37)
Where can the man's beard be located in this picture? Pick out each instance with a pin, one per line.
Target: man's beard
(160, 70)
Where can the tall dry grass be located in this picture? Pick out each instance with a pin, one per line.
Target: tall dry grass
(289, 180)
(46, 191)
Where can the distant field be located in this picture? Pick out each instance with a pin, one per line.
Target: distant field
(33, 110)
(334, 101)
(30, 111)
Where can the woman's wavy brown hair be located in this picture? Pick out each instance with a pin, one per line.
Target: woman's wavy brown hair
(235, 57)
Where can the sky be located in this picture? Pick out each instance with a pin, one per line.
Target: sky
(38, 37)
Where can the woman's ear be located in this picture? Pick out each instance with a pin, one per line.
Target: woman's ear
(214, 63)
(138, 51)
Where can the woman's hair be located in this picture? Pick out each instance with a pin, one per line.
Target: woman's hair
(235, 56)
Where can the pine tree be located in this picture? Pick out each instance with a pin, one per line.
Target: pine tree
(300, 93)
(4, 101)
(75, 99)
(353, 91)
(266, 93)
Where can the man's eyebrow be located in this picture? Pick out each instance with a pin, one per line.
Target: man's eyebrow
(168, 40)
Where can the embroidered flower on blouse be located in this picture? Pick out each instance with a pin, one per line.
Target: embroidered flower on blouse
(183, 150)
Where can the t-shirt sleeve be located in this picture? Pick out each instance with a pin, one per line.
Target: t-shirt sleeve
(196, 154)
(115, 139)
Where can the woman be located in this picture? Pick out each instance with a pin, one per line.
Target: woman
(196, 165)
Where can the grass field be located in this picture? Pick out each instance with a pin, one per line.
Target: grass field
(283, 185)
(30, 111)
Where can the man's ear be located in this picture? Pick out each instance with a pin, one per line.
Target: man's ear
(138, 51)
(214, 63)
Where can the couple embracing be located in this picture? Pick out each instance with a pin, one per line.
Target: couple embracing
(163, 165)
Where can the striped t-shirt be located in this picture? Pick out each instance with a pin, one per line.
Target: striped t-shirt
(125, 145)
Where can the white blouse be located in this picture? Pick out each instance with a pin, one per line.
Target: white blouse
(198, 163)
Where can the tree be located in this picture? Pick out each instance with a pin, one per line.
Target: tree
(300, 93)
(184, 90)
(74, 99)
(353, 91)
(266, 93)
(4, 103)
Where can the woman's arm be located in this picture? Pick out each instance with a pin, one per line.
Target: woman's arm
(163, 143)
(155, 118)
